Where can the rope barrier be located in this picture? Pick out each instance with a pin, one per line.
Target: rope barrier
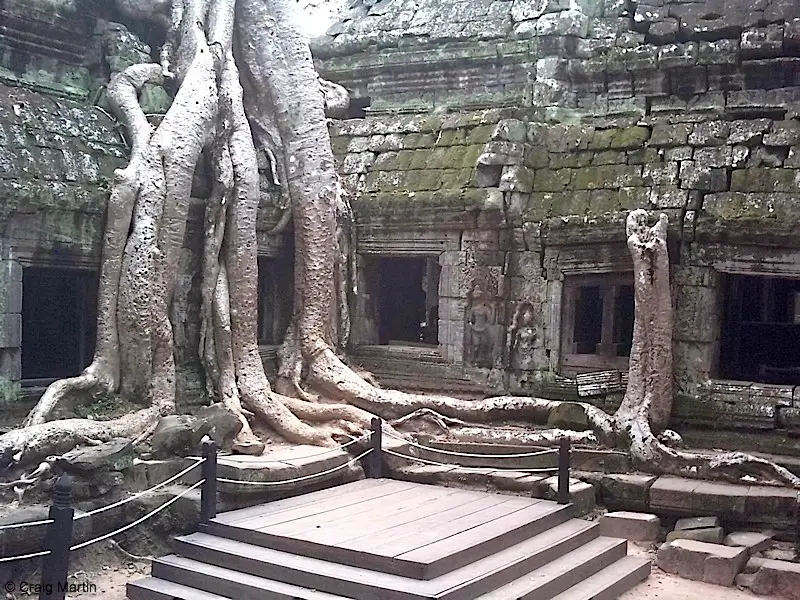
(24, 556)
(295, 480)
(137, 521)
(476, 469)
(469, 454)
(140, 494)
(26, 524)
(324, 453)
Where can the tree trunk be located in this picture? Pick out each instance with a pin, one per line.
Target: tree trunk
(649, 389)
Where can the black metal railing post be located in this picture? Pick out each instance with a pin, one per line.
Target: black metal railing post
(563, 471)
(208, 490)
(55, 565)
(375, 458)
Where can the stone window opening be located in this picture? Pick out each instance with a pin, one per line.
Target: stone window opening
(406, 300)
(597, 323)
(59, 312)
(760, 336)
(275, 293)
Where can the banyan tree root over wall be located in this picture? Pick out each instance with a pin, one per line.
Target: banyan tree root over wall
(245, 79)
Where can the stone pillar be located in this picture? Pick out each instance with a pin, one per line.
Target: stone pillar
(10, 319)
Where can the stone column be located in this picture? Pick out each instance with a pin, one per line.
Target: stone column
(10, 319)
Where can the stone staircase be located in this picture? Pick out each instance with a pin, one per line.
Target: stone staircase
(505, 548)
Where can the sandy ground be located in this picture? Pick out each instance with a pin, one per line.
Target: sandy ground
(109, 583)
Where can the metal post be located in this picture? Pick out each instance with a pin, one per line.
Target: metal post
(375, 458)
(563, 471)
(208, 491)
(55, 566)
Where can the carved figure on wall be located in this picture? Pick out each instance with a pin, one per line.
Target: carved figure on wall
(522, 337)
(481, 347)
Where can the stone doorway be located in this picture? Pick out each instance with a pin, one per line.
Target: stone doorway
(59, 312)
(407, 298)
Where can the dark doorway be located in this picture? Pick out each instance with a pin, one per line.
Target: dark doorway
(274, 299)
(59, 312)
(408, 299)
(760, 338)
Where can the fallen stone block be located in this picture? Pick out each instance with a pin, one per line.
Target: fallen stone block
(627, 492)
(636, 527)
(752, 540)
(700, 561)
(696, 523)
(775, 578)
(712, 535)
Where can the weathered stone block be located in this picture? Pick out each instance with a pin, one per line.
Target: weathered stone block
(775, 578)
(516, 178)
(690, 523)
(565, 23)
(718, 52)
(510, 130)
(672, 494)
(678, 55)
(711, 535)
(719, 499)
(636, 527)
(358, 163)
(783, 133)
(700, 561)
(688, 81)
(771, 504)
(709, 133)
(670, 135)
(548, 180)
(660, 174)
(762, 42)
(10, 331)
(765, 179)
(663, 32)
(752, 540)
(628, 492)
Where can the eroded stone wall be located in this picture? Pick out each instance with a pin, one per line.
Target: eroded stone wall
(686, 108)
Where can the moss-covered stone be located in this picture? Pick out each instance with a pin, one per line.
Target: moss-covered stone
(549, 180)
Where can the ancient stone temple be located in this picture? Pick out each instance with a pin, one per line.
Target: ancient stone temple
(492, 151)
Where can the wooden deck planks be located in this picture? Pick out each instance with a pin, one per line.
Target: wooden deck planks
(245, 514)
(274, 517)
(412, 534)
(447, 545)
(387, 521)
(373, 518)
(405, 521)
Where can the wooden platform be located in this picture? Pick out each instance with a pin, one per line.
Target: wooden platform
(380, 539)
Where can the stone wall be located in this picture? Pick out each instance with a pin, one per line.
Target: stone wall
(56, 161)
(686, 108)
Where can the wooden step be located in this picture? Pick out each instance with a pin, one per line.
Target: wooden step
(611, 582)
(150, 588)
(558, 576)
(400, 528)
(229, 583)
(465, 583)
